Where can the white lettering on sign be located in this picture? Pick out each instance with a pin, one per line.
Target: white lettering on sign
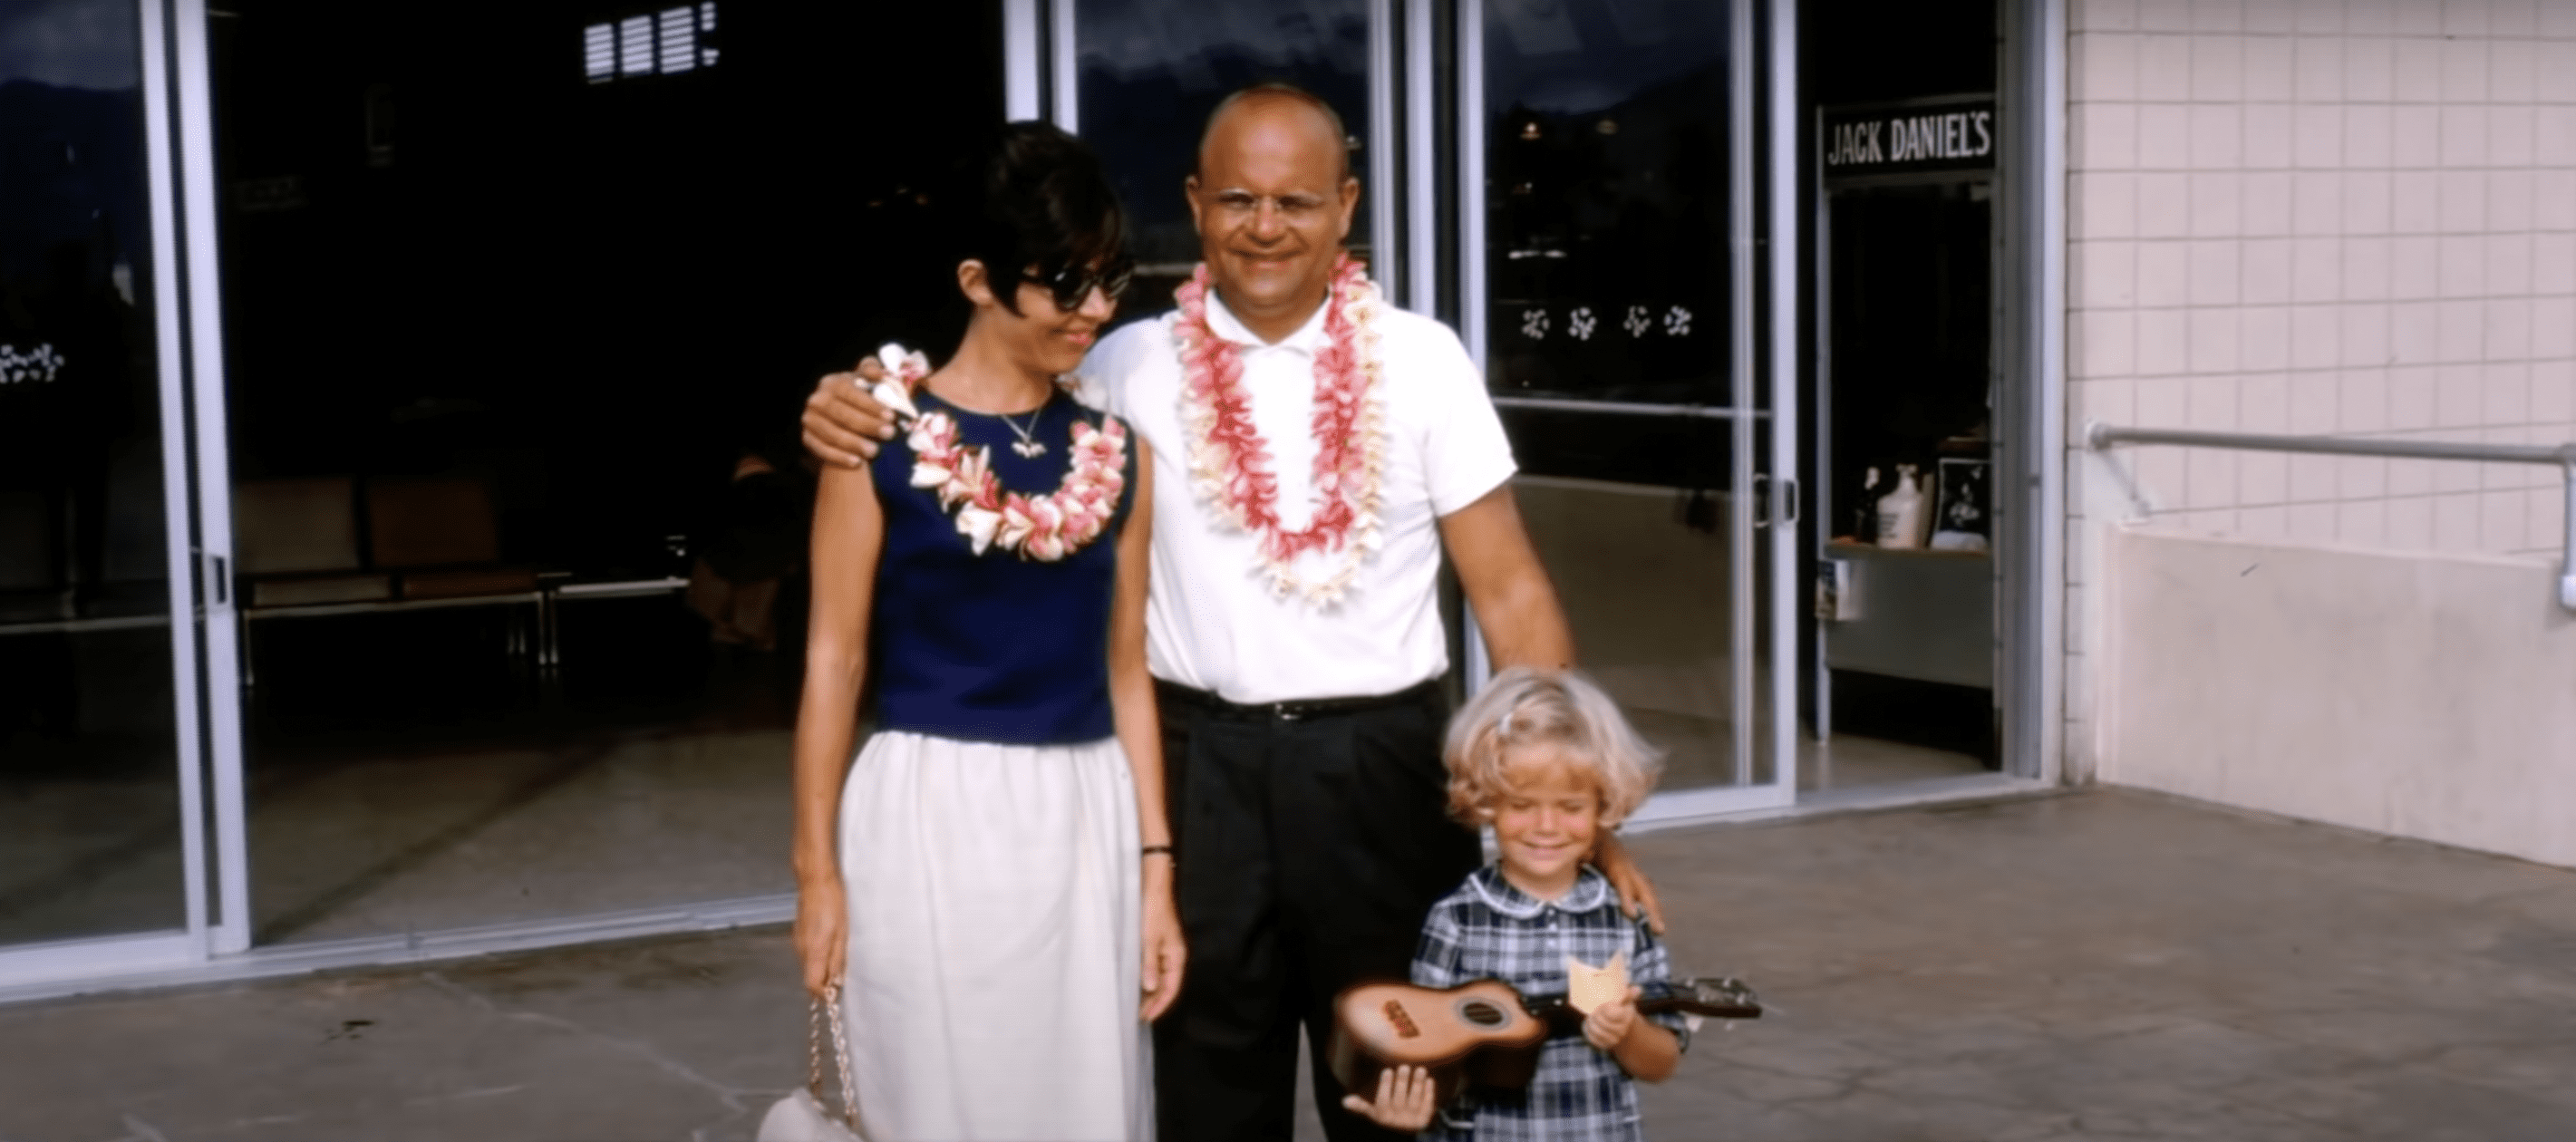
(1911, 139)
(1965, 135)
(1856, 143)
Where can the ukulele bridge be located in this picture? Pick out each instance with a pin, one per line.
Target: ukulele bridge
(1404, 1026)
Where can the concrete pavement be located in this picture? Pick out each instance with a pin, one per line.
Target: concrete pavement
(2102, 964)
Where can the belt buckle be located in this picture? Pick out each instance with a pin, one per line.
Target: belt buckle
(1286, 711)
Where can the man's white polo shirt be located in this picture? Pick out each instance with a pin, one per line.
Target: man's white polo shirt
(1213, 621)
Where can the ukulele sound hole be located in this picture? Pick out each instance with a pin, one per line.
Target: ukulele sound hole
(1482, 1013)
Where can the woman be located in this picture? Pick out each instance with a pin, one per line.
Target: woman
(990, 880)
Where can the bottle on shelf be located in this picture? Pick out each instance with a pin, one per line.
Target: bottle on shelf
(1901, 514)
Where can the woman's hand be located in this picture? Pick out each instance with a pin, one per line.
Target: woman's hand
(1403, 1099)
(822, 933)
(1165, 953)
(1636, 893)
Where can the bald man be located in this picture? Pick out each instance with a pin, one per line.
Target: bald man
(1301, 730)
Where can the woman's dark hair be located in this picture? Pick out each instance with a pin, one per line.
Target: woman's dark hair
(1047, 205)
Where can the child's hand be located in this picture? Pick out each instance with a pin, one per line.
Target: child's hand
(1403, 1099)
(1609, 1024)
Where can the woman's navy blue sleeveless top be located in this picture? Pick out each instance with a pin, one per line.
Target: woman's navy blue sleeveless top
(993, 647)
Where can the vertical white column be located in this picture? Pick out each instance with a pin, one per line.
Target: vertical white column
(1022, 98)
(2049, 313)
(1060, 65)
(1787, 287)
(1740, 126)
(1471, 245)
(2034, 485)
(1471, 177)
(1379, 194)
(214, 499)
(181, 557)
(1422, 161)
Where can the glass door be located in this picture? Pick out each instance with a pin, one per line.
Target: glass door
(1610, 288)
(1145, 77)
(102, 760)
(1600, 264)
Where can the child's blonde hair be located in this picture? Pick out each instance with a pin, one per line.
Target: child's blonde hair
(1529, 706)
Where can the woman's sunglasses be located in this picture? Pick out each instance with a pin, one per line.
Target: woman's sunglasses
(1072, 284)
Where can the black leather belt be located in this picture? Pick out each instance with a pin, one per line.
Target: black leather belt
(1191, 697)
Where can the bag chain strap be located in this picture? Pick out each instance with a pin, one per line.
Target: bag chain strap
(826, 1008)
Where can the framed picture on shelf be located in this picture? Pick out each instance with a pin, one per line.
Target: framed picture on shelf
(1961, 520)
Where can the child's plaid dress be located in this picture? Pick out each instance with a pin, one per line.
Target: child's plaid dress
(1487, 929)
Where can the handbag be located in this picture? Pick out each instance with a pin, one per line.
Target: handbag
(802, 1116)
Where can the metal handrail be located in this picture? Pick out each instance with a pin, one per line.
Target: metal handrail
(2100, 437)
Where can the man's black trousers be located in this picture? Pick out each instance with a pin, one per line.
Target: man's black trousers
(1311, 843)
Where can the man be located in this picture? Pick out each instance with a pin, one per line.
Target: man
(1294, 632)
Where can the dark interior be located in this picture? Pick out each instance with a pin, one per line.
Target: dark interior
(1910, 275)
(448, 252)
(453, 253)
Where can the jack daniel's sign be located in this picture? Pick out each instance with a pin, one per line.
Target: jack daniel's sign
(1950, 134)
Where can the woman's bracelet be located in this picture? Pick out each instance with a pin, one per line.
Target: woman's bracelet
(1166, 850)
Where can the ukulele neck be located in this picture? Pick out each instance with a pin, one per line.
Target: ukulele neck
(1563, 1018)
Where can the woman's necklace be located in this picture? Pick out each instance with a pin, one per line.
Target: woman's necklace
(1230, 462)
(1028, 445)
(1045, 528)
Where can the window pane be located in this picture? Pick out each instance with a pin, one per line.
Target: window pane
(1606, 184)
(1151, 73)
(1607, 268)
(89, 806)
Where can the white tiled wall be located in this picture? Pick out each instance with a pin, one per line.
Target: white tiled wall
(2312, 216)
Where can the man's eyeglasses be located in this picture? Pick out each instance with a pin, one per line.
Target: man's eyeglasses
(1073, 284)
(1296, 209)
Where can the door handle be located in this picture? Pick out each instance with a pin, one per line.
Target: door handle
(1762, 500)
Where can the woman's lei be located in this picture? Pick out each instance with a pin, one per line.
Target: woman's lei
(1230, 462)
(1045, 528)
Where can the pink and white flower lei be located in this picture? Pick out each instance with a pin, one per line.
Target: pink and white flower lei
(1045, 528)
(1230, 462)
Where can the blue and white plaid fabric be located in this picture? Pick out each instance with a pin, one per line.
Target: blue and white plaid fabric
(1489, 929)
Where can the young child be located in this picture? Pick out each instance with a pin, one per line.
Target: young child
(1545, 758)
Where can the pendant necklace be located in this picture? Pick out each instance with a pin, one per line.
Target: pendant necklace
(1028, 445)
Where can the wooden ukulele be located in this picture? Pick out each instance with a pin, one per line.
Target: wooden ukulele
(1481, 1033)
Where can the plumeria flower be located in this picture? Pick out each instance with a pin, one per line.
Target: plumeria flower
(904, 369)
(908, 366)
(931, 435)
(974, 480)
(978, 525)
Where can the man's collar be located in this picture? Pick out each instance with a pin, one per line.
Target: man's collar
(1591, 890)
(1308, 339)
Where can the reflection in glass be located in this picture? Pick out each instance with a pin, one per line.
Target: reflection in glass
(1151, 73)
(1606, 198)
(1607, 280)
(1649, 597)
(586, 309)
(89, 817)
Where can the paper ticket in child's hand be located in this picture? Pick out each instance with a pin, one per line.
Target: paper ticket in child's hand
(1587, 987)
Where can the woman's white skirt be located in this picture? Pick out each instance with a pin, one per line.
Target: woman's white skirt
(991, 991)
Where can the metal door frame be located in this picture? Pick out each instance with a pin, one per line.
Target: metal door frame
(2030, 449)
(196, 524)
(1763, 159)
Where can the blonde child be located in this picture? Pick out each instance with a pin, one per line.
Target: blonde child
(1543, 757)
